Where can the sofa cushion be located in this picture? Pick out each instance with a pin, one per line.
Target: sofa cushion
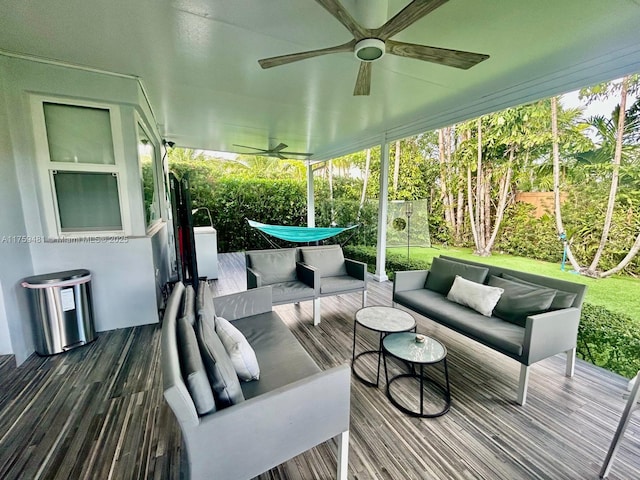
(491, 331)
(561, 300)
(222, 376)
(242, 355)
(329, 261)
(204, 301)
(443, 272)
(192, 368)
(188, 304)
(276, 266)
(282, 358)
(289, 292)
(482, 298)
(330, 285)
(520, 301)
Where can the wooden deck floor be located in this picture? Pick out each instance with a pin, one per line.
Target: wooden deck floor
(98, 413)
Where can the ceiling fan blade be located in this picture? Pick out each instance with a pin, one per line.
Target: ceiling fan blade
(335, 8)
(363, 82)
(299, 154)
(252, 148)
(295, 57)
(277, 148)
(407, 16)
(442, 56)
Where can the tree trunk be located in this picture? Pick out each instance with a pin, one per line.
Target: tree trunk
(505, 186)
(472, 220)
(479, 177)
(443, 177)
(625, 261)
(617, 156)
(487, 208)
(452, 203)
(460, 213)
(396, 168)
(556, 183)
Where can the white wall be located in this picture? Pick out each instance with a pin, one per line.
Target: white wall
(124, 273)
(122, 278)
(15, 257)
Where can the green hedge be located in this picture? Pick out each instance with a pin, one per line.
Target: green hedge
(607, 339)
(526, 236)
(394, 263)
(276, 201)
(610, 340)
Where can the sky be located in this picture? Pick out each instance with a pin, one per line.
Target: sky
(603, 107)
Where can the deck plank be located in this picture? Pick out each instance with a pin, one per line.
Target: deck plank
(98, 411)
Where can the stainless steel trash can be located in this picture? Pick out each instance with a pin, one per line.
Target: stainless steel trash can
(61, 310)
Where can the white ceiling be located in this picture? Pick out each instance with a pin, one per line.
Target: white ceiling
(197, 59)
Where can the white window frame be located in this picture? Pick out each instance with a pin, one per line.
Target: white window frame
(46, 167)
(157, 167)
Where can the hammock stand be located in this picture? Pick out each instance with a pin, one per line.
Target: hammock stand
(298, 234)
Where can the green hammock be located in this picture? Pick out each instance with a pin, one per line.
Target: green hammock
(298, 234)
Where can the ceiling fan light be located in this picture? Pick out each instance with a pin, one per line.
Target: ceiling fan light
(369, 49)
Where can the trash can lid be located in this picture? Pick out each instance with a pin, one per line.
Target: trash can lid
(56, 277)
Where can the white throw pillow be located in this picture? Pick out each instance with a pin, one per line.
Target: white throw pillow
(482, 298)
(242, 355)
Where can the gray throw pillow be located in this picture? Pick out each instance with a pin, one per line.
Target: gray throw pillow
(561, 300)
(222, 376)
(329, 261)
(275, 267)
(518, 301)
(188, 304)
(192, 368)
(443, 273)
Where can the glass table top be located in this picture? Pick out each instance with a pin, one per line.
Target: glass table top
(405, 347)
(385, 319)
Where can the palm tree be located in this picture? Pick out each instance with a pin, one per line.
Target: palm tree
(615, 136)
(556, 184)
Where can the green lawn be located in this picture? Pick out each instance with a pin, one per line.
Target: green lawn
(618, 294)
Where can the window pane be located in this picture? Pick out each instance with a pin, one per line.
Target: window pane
(79, 134)
(146, 157)
(87, 201)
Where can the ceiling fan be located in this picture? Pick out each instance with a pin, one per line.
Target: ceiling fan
(370, 44)
(277, 151)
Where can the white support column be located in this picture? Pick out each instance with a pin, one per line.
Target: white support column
(523, 383)
(571, 362)
(311, 203)
(381, 255)
(343, 455)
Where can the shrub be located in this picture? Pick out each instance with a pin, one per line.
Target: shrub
(610, 340)
(394, 262)
(524, 235)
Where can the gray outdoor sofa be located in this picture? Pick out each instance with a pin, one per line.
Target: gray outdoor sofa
(532, 323)
(293, 407)
(306, 274)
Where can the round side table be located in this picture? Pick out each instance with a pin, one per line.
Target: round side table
(383, 320)
(405, 347)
